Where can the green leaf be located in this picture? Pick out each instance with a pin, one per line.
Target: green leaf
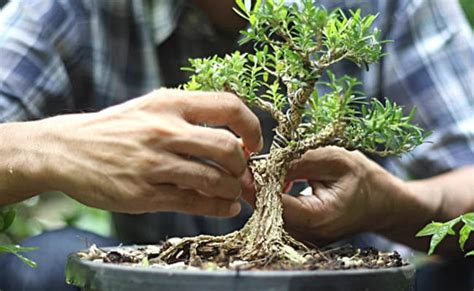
(468, 219)
(437, 238)
(464, 235)
(257, 5)
(469, 253)
(8, 219)
(253, 19)
(2, 222)
(248, 5)
(16, 250)
(429, 229)
(240, 4)
(27, 261)
(240, 13)
(438, 231)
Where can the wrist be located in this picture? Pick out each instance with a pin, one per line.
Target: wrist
(396, 205)
(410, 207)
(24, 167)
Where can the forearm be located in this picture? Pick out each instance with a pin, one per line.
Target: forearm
(439, 198)
(21, 174)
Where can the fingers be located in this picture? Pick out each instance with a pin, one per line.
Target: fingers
(217, 145)
(301, 210)
(220, 108)
(248, 188)
(191, 202)
(327, 163)
(198, 176)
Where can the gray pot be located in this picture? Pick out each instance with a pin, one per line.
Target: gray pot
(101, 276)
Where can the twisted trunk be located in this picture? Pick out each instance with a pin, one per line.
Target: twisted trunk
(264, 230)
(264, 236)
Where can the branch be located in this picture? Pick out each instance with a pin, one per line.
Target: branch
(325, 137)
(271, 108)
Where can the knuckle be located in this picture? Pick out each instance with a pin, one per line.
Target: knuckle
(146, 167)
(233, 106)
(209, 177)
(169, 129)
(146, 163)
(228, 144)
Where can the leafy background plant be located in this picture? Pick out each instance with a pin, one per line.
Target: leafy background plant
(468, 6)
(48, 211)
(440, 230)
(6, 219)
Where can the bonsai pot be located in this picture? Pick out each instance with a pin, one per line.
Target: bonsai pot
(93, 275)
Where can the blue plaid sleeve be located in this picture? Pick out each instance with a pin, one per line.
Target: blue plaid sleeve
(41, 43)
(430, 65)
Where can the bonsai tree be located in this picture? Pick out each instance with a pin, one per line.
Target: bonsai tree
(294, 48)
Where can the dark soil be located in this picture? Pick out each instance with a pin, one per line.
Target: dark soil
(336, 258)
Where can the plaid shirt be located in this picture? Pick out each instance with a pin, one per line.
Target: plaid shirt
(61, 56)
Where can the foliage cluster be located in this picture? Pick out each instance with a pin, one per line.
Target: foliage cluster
(440, 230)
(294, 46)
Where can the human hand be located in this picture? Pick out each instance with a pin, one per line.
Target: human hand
(134, 157)
(350, 194)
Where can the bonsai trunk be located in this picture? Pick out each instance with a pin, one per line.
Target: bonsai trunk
(264, 236)
(265, 227)
(262, 239)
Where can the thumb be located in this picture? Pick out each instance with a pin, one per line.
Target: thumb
(326, 163)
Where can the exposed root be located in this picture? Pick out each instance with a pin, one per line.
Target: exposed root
(229, 251)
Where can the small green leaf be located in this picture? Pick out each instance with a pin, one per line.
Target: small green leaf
(438, 231)
(468, 219)
(240, 4)
(253, 19)
(430, 229)
(248, 5)
(27, 261)
(15, 250)
(469, 253)
(8, 219)
(464, 235)
(2, 222)
(437, 238)
(257, 5)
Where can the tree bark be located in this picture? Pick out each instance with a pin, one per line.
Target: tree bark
(263, 233)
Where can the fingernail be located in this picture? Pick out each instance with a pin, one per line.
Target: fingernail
(234, 208)
(247, 177)
(260, 144)
(246, 152)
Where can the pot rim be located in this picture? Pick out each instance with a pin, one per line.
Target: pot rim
(73, 258)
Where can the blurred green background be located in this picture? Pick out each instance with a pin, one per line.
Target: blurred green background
(55, 210)
(468, 6)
